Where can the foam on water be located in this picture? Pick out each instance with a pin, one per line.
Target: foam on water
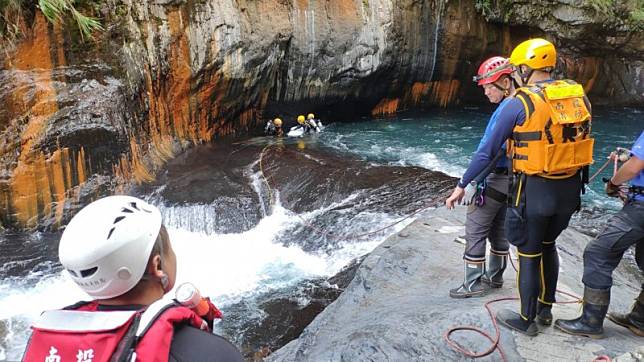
(226, 267)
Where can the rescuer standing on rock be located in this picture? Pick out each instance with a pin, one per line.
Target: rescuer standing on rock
(602, 255)
(546, 122)
(486, 212)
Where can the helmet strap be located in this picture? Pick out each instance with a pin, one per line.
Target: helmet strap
(525, 76)
(165, 282)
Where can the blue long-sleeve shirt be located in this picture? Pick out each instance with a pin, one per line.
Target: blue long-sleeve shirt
(509, 114)
(638, 151)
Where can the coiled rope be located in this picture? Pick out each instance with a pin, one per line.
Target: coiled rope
(495, 341)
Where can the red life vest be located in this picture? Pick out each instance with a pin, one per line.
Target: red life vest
(85, 334)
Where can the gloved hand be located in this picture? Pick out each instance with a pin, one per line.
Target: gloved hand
(470, 193)
(612, 190)
(618, 191)
(212, 314)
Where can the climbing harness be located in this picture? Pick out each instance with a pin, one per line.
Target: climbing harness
(431, 203)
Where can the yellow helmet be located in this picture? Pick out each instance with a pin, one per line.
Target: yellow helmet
(310, 116)
(300, 119)
(536, 53)
(277, 122)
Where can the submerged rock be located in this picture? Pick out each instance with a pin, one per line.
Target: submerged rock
(268, 322)
(397, 307)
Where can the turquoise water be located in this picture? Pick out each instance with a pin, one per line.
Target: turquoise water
(445, 141)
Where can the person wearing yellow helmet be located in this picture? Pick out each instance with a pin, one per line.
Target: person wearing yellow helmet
(313, 122)
(274, 128)
(545, 121)
(305, 125)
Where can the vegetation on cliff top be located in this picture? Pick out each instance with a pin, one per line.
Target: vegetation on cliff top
(13, 15)
(628, 15)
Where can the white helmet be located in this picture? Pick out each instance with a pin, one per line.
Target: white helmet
(106, 246)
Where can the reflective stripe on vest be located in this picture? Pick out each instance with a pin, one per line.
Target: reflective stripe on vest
(553, 141)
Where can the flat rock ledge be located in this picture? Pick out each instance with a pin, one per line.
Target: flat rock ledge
(397, 307)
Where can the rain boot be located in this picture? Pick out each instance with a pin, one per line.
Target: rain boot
(549, 278)
(472, 286)
(497, 263)
(633, 320)
(528, 277)
(591, 322)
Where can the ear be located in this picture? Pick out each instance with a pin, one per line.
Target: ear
(155, 268)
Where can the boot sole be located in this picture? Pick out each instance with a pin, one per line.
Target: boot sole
(465, 296)
(544, 322)
(593, 336)
(509, 326)
(492, 284)
(631, 327)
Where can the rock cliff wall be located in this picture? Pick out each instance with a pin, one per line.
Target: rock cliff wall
(81, 119)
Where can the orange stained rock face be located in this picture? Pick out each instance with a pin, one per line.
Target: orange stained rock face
(39, 184)
(41, 187)
(584, 70)
(418, 90)
(386, 106)
(444, 92)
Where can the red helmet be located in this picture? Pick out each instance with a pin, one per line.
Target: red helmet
(492, 69)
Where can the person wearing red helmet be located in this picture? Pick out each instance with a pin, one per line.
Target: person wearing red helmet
(486, 212)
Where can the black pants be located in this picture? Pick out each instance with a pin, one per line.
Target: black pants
(539, 210)
(602, 255)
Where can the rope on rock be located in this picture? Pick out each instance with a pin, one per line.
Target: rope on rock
(430, 204)
(495, 341)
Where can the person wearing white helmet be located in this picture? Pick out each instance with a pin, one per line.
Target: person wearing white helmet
(117, 250)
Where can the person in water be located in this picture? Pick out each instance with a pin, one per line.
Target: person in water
(274, 128)
(546, 121)
(117, 250)
(486, 212)
(313, 122)
(307, 125)
(602, 255)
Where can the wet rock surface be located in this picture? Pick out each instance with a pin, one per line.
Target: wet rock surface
(266, 323)
(397, 306)
(228, 179)
(167, 75)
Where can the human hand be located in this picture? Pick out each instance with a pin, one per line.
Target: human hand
(456, 196)
(470, 192)
(611, 189)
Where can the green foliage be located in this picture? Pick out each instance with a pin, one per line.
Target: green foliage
(602, 6)
(13, 12)
(55, 10)
(484, 6)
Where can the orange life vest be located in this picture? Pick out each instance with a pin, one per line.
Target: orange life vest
(554, 140)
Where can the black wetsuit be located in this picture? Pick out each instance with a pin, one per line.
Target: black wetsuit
(191, 344)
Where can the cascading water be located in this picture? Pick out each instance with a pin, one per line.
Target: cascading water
(236, 245)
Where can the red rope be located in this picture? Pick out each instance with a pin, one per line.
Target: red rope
(495, 341)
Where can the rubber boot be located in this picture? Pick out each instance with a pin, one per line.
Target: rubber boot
(633, 320)
(550, 276)
(497, 263)
(528, 277)
(472, 286)
(544, 314)
(591, 322)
